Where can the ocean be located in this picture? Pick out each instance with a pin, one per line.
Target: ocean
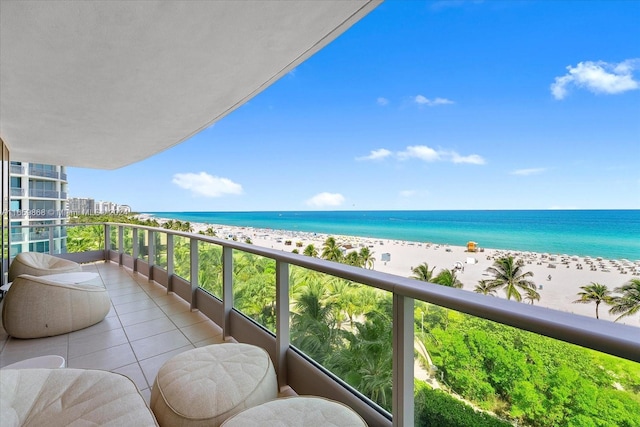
(611, 234)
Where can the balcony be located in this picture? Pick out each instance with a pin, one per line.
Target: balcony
(145, 327)
(17, 169)
(17, 192)
(46, 194)
(43, 173)
(170, 295)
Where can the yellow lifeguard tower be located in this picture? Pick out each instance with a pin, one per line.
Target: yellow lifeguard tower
(472, 246)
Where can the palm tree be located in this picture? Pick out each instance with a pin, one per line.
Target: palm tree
(486, 287)
(331, 251)
(629, 303)
(595, 292)
(311, 251)
(423, 273)
(531, 295)
(367, 258)
(313, 326)
(448, 278)
(352, 258)
(509, 274)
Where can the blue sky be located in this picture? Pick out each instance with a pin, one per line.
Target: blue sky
(423, 105)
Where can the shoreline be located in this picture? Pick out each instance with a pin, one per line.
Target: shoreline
(568, 272)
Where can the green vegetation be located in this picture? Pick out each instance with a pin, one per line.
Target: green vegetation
(508, 274)
(435, 408)
(628, 303)
(530, 378)
(521, 377)
(595, 292)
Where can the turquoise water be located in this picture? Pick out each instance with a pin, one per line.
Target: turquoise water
(613, 234)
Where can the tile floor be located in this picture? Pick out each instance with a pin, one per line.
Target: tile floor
(145, 327)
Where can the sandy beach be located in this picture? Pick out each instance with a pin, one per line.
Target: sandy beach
(567, 272)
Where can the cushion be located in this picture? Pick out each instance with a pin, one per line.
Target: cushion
(298, 412)
(207, 385)
(37, 264)
(62, 397)
(36, 307)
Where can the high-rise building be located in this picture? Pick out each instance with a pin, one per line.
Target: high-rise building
(81, 206)
(38, 197)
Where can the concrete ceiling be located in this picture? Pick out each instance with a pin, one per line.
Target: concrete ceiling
(103, 84)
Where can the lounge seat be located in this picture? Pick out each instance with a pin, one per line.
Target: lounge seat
(36, 307)
(37, 264)
(304, 411)
(63, 397)
(205, 386)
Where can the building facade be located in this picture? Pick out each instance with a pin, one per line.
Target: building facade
(38, 196)
(81, 206)
(88, 206)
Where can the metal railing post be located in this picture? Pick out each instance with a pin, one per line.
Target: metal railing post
(107, 242)
(151, 253)
(403, 335)
(51, 248)
(120, 244)
(136, 250)
(282, 321)
(193, 243)
(227, 289)
(170, 263)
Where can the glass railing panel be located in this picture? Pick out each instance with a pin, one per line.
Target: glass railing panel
(38, 233)
(347, 328)
(182, 257)
(143, 245)
(113, 238)
(127, 245)
(82, 238)
(254, 288)
(160, 249)
(473, 371)
(210, 268)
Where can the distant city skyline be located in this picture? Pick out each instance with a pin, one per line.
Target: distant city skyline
(423, 105)
(89, 206)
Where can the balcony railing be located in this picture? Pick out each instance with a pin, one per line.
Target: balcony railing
(17, 192)
(43, 172)
(63, 176)
(17, 169)
(48, 194)
(34, 233)
(153, 252)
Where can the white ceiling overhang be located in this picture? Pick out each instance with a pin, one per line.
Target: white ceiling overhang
(103, 84)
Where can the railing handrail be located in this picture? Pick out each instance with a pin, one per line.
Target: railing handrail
(601, 335)
(608, 337)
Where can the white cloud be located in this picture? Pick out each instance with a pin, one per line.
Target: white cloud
(203, 184)
(473, 159)
(382, 101)
(421, 152)
(421, 100)
(527, 172)
(425, 153)
(598, 77)
(378, 154)
(326, 200)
